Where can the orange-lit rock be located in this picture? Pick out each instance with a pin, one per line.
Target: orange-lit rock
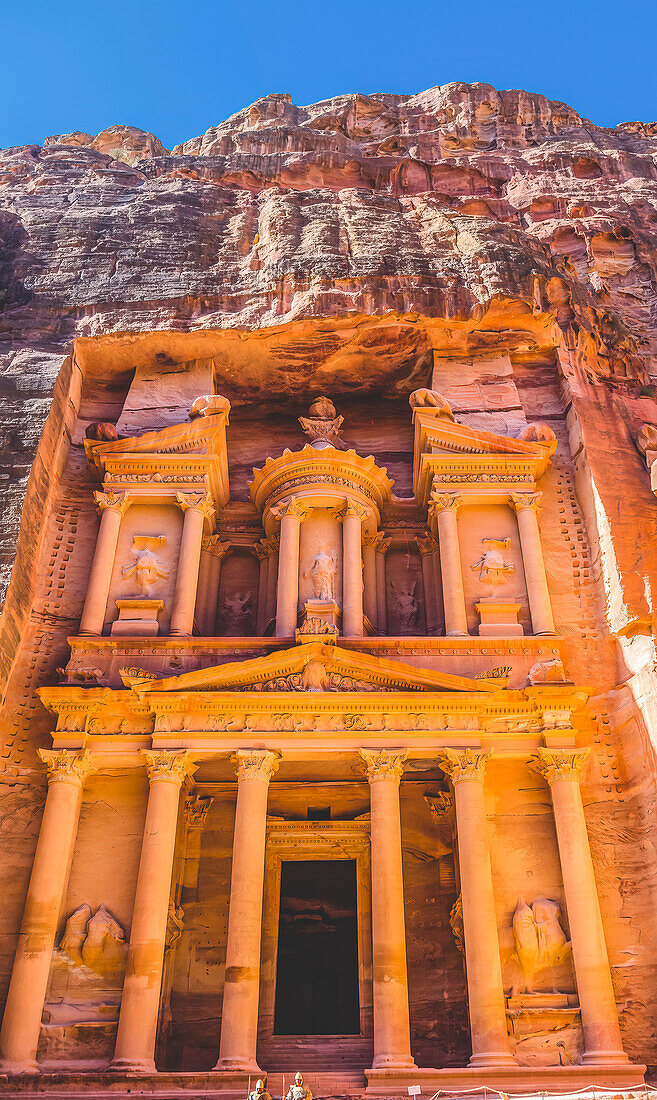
(328, 531)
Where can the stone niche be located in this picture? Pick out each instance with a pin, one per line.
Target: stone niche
(493, 572)
(238, 595)
(404, 591)
(149, 536)
(320, 533)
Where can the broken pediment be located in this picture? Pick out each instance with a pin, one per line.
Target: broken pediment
(315, 667)
(453, 453)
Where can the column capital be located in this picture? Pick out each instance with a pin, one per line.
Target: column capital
(118, 502)
(371, 538)
(521, 501)
(258, 764)
(169, 767)
(441, 805)
(464, 765)
(196, 810)
(291, 507)
(383, 765)
(427, 544)
(66, 766)
(200, 502)
(557, 765)
(445, 502)
(382, 543)
(212, 544)
(261, 549)
(353, 508)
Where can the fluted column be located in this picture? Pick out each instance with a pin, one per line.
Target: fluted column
(112, 508)
(21, 1023)
(602, 1038)
(526, 507)
(427, 547)
(382, 547)
(445, 506)
(213, 551)
(490, 1041)
(239, 1017)
(352, 570)
(392, 1036)
(370, 603)
(137, 1031)
(292, 512)
(197, 507)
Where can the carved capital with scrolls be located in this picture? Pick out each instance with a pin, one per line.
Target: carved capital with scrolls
(441, 805)
(258, 764)
(212, 544)
(196, 811)
(385, 765)
(169, 767)
(442, 502)
(427, 545)
(382, 543)
(292, 507)
(464, 765)
(118, 502)
(200, 502)
(65, 766)
(559, 765)
(521, 501)
(353, 508)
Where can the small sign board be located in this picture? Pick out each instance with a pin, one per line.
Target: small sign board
(414, 1090)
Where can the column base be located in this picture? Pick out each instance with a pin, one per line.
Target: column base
(180, 633)
(132, 1065)
(237, 1065)
(393, 1062)
(604, 1058)
(492, 1059)
(457, 634)
(14, 1069)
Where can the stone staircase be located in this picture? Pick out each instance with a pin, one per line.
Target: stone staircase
(332, 1065)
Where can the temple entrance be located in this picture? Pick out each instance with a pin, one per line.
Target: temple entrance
(317, 972)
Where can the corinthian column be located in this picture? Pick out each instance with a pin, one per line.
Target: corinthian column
(352, 570)
(444, 507)
(602, 1038)
(197, 507)
(291, 514)
(392, 1036)
(526, 507)
(382, 547)
(239, 1017)
(137, 1031)
(370, 602)
(490, 1041)
(427, 547)
(19, 1037)
(112, 507)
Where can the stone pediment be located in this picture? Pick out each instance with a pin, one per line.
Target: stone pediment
(314, 667)
(453, 453)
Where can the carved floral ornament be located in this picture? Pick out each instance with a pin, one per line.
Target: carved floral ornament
(384, 765)
(65, 766)
(521, 501)
(200, 502)
(259, 764)
(119, 502)
(559, 765)
(463, 765)
(169, 767)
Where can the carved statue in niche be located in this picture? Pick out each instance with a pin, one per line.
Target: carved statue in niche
(96, 941)
(235, 609)
(146, 569)
(322, 425)
(405, 600)
(493, 569)
(539, 944)
(322, 573)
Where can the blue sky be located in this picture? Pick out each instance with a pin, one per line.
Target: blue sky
(176, 67)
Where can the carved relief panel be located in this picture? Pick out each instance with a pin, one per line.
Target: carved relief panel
(238, 594)
(492, 561)
(146, 562)
(404, 591)
(320, 557)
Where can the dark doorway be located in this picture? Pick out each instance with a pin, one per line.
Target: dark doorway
(317, 973)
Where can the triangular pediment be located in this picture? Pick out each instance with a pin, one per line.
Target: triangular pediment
(314, 667)
(203, 436)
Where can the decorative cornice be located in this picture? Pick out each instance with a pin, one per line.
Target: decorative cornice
(67, 767)
(522, 501)
(169, 767)
(558, 765)
(384, 765)
(463, 765)
(259, 764)
(118, 502)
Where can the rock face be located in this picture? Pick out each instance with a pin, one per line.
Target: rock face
(491, 249)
